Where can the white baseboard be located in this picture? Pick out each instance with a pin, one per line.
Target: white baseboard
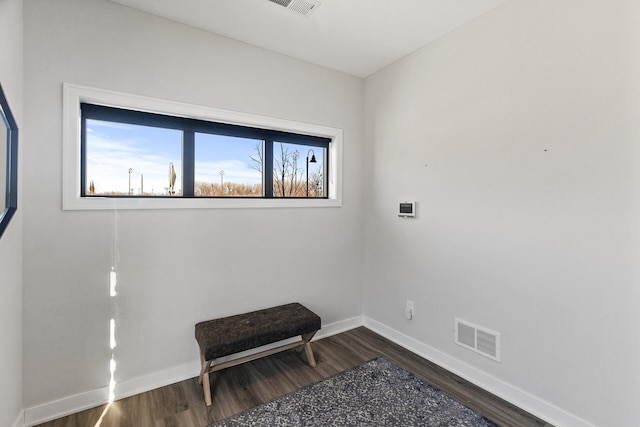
(90, 399)
(19, 422)
(514, 395)
(339, 327)
(65, 406)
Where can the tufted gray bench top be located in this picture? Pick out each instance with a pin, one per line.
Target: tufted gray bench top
(233, 334)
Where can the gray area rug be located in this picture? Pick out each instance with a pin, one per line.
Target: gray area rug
(377, 393)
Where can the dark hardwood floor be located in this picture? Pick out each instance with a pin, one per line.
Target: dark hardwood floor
(242, 387)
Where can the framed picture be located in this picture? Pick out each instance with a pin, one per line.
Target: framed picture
(8, 163)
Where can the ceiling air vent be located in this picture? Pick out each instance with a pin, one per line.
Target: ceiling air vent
(302, 7)
(478, 339)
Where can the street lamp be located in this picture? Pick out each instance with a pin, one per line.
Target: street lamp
(313, 160)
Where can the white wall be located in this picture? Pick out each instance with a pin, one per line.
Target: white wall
(518, 136)
(11, 59)
(176, 267)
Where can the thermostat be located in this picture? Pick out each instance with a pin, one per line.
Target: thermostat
(407, 209)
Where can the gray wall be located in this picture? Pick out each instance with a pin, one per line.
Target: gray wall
(518, 136)
(11, 241)
(176, 267)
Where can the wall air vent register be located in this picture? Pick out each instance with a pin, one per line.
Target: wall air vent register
(478, 339)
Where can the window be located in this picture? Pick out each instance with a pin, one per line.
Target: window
(117, 156)
(228, 166)
(122, 151)
(127, 153)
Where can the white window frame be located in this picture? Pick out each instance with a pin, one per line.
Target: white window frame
(73, 95)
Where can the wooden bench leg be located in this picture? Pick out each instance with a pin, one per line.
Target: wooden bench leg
(204, 367)
(204, 378)
(307, 348)
(207, 388)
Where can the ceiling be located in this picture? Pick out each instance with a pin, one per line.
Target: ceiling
(358, 37)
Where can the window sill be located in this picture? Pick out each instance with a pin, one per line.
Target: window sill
(108, 203)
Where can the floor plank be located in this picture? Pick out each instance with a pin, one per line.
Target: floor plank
(244, 386)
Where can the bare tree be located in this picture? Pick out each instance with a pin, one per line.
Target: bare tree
(258, 160)
(288, 177)
(316, 182)
(295, 177)
(280, 171)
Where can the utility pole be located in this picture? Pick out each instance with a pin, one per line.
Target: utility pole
(130, 171)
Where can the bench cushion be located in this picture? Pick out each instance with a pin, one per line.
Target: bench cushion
(233, 334)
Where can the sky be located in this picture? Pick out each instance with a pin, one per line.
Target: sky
(114, 148)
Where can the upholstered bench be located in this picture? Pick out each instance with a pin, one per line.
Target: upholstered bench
(234, 334)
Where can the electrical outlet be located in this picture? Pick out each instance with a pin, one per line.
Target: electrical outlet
(409, 310)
